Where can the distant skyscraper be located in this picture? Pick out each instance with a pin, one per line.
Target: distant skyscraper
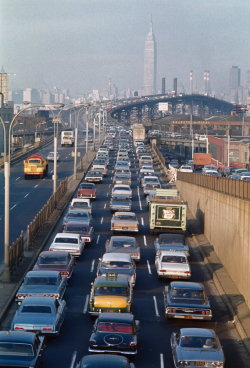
(4, 88)
(163, 86)
(191, 81)
(150, 63)
(206, 82)
(234, 84)
(175, 86)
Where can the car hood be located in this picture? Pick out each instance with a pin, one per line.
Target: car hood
(199, 354)
(112, 301)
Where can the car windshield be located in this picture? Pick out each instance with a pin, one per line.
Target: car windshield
(77, 214)
(125, 217)
(198, 342)
(86, 186)
(123, 244)
(36, 309)
(66, 240)
(73, 229)
(173, 259)
(111, 290)
(115, 327)
(13, 348)
(41, 281)
(54, 260)
(187, 293)
(80, 204)
(115, 264)
(33, 161)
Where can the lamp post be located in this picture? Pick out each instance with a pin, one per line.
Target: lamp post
(7, 128)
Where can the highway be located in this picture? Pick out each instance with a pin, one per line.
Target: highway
(28, 196)
(154, 335)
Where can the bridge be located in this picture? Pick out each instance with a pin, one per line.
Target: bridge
(200, 105)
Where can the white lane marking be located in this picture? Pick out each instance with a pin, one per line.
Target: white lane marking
(51, 171)
(85, 308)
(161, 360)
(19, 177)
(138, 191)
(142, 221)
(36, 186)
(107, 194)
(26, 195)
(73, 359)
(105, 205)
(156, 307)
(101, 220)
(109, 185)
(98, 238)
(149, 268)
(145, 240)
(92, 265)
(13, 206)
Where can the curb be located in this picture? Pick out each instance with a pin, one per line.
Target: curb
(213, 273)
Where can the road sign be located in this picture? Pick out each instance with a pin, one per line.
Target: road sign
(163, 106)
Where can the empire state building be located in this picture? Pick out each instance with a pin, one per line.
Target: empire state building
(150, 63)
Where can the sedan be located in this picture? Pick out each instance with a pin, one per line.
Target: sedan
(186, 168)
(42, 283)
(121, 189)
(59, 261)
(20, 349)
(195, 347)
(117, 263)
(73, 215)
(120, 203)
(71, 243)
(51, 155)
(114, 333)
(173, 265)
(40, 314)
(104, 361)
(86, 232)
(122, 179)
(186, 300)
(124, 221)
(94, 176)
(124, 244)
(171, 242)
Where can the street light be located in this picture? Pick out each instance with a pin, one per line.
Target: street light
(7, 128)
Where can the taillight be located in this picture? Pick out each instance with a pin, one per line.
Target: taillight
(92, 342)
(65, 273)
(171, 310)
(18, 328)
(205, 312)
(47, 329)
(183, 363)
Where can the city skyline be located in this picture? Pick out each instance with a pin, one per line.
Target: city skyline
(83, 44)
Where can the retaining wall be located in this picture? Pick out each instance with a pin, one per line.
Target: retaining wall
(226, 223)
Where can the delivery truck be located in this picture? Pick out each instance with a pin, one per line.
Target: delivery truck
(138, 132)
(167, 212)
(200, 160)
(67, 138)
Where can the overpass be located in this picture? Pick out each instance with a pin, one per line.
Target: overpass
(148, 105)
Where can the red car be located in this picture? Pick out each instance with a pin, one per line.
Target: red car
(86, 231)
(86, 190)
(55, 261)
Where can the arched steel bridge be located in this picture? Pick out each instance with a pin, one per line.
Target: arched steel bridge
(197, 104)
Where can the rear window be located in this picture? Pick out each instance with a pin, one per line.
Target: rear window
(12, 348)
(62, 260)
(173, 259)
(66, 240)
(36, 309)
(114, 327)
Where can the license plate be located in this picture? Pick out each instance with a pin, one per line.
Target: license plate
(188, 317)
(110, 310)
(124, 228)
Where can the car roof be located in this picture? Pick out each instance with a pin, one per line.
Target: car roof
(172, 253)
(17, 336)
(197, 332)
(38, 300)
(38, 273)
(49, 254)
(186, 285)
(67, 235)
(116, 256)
(104, 361)
(116, 317)
(116, 280)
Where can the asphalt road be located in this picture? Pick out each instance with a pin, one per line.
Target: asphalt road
(27, 197)
(154, 336)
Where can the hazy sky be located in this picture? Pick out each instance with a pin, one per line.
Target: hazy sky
(80, 44)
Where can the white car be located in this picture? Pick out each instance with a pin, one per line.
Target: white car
(149, 180)
(50, 156)
(186, 168)
(81, 204)
(121, 189)
(71, 243)
(172, 265)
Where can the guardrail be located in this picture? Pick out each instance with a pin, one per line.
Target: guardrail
(232, 187)
(19, 154)
(16, 250)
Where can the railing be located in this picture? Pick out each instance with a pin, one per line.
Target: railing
(16, 251)
(232, 187)
(43, 215)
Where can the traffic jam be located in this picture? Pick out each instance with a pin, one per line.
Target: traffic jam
(140, 282)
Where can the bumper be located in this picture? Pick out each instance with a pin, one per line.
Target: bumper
(188, 316)
(126, 352)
